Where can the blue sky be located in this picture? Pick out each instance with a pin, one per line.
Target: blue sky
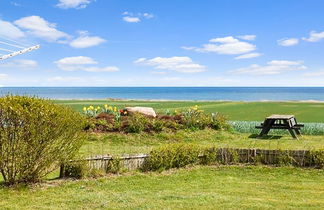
(163, 42)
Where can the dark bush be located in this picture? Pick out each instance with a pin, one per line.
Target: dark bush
(76, 170)
(36, 136)
(80, 170)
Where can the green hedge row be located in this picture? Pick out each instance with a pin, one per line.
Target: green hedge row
(180, 155)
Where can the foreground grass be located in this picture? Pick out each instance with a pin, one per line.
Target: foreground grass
(117, 143)
(225, 187)
(240, 111)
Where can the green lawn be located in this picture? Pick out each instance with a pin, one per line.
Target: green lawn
(116, 143)
(226, 187)
(242, 111)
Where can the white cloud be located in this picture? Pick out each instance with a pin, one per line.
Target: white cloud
(41, 28)
(84, 41)
(15, 4)
(315, 74)
(3, 76)
(188, 48)
(9, 30)
(135, 18)
(131, 19)
(19, 64)
(288, 42)
(226, 45)
(159, 72)
(63, 79)
(170, 79)
(249, 55)
(148, 15)
(82, 63)
(314, 36)
(227, 39)
(76, 4)
(179, 64)
(74, 63)
(247, 37)
(101, 69)
(272, 67)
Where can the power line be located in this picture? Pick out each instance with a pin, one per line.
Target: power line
(10, 40)
(12, 45)
(2, 49)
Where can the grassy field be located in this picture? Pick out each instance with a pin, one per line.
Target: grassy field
(210, 187)
(115, 143)
(241, 111)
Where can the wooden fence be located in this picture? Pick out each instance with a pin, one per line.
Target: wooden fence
(298, 158)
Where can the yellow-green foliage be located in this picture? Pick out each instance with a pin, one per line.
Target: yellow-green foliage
(172, 156)
(80, 169)
(180, 155)
(36, 135)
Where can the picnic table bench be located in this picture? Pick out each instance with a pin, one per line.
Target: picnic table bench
(276, 121)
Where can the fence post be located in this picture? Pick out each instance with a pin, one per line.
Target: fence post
(62, 171)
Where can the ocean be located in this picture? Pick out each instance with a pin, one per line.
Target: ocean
(173, 93)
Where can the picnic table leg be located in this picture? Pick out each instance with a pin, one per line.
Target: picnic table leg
(297, 131)
(266, 127)
(291, 131)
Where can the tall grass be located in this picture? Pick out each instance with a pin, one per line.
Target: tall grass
(249, 127)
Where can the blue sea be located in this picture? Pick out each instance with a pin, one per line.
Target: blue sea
(173, 93)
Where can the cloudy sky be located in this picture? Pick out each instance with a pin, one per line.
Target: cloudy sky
(163, 42)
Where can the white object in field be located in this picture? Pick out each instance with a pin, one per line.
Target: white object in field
(3, 57)
(143, 110)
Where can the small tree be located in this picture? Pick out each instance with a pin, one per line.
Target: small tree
(35, 136)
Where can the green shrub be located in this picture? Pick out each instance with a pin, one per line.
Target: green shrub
(136, 123)
(172, 125)
(219, 122)
(113, 166)
(171, 156)
(193, 119)
(316, 158)
(157, 125)
(180, 155)
(36, 136)
(196, 122)
(78, 170)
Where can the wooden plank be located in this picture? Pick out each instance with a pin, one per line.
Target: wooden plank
(280, 117)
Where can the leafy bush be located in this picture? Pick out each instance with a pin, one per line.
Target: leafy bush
(114, 166)
(76, 170)
(80, 170)
(157, 125)
(109, 120)
(219, 122)
(172, 156)
(35, 136)
(181, 155)
(136, 123)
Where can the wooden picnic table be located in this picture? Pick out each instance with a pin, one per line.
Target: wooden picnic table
(276, 121)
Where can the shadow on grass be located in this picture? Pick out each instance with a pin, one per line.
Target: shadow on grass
(268, 137)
